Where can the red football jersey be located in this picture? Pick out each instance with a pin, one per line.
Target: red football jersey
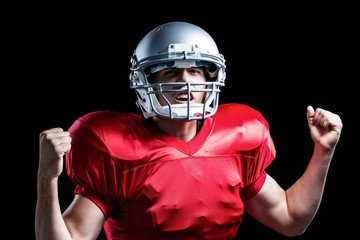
(151, 185)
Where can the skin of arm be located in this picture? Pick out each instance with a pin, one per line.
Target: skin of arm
(82, 219)
(290, 211)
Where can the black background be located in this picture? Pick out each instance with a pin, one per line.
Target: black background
(63, 60)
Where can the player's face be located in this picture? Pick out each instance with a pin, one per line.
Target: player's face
(173, 75)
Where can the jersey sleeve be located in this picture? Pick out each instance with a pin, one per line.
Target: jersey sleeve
(254, 144)
(262, 156)
(90, 167)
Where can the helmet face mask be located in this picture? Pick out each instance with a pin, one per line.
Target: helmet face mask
(177, 45)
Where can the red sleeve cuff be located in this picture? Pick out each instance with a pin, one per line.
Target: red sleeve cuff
(252, 189)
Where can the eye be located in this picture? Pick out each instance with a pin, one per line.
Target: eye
(197, 71)
(166, 75)
(169, 71)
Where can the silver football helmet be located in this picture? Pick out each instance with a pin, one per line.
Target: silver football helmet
(179, 45)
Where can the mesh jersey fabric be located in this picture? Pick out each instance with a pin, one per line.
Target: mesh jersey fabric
(151, 185)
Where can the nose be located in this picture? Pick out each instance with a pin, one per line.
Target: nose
(184, 76)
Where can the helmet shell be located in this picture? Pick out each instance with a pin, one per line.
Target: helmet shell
(172, 40)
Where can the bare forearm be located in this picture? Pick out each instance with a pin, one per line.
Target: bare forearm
(49, 223)
(305, 195)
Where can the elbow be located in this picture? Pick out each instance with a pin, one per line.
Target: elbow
(293, 231)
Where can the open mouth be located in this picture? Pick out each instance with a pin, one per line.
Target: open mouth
(183, 98)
